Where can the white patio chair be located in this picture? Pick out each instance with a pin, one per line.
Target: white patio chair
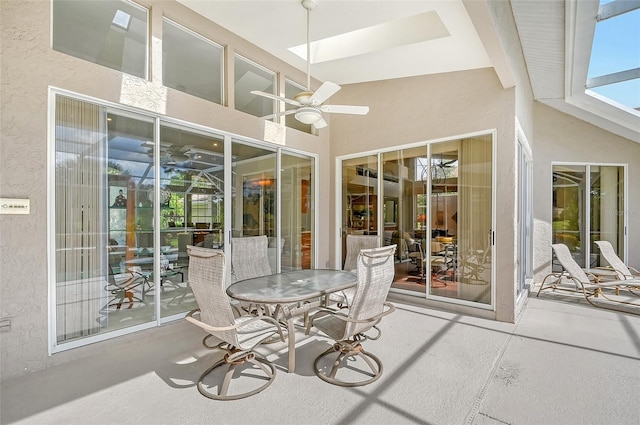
(623, 271)
(239, 335)
(586, 283)
(354, 244)
(375, 275)
(249, 257)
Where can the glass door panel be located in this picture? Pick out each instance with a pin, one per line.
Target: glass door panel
(607, 210)
(404, 214)
(297, 218)
(254, 189)
(131, 190)
(569, 210)
(191, 208)
(461, 218)
(359, 198)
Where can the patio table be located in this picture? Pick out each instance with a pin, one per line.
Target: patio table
(284, 289)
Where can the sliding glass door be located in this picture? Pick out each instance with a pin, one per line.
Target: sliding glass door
(133, 191)
(461, 219)
(359, 199)
(588, 206)
(435, 202)
(297, 219)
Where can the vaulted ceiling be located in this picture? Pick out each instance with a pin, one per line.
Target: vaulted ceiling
(378, 40)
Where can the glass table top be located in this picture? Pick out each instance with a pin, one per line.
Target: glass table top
(292, 286)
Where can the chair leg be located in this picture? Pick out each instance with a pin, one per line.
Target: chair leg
(346, 350)
(234, 364)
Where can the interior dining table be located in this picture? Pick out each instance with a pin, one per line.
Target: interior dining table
(285, 290)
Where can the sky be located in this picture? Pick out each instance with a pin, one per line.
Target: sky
(616, 47)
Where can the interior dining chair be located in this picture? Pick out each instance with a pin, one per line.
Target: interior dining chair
(623, 271)
(339, 364)
(354, 244)
(239, 336)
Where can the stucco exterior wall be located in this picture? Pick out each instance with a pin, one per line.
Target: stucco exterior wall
(29, 67)
(562, 138)
(415, 109)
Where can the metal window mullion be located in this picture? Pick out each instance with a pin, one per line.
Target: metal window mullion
(616, 8)
(156, 220)
(616, 77)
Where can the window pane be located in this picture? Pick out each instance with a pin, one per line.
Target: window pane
(569, 209)
(616, 45)
(607, 210)
(191, 208)
(80, 240)
(130, 191)
(249, 76)
(461, 211)
(254, 206)
(108, 33)
(626, 93)
(191, 63)
(360, 202)
(297, 218)
(404, 215)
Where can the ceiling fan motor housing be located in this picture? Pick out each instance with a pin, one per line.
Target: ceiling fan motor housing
(309, 4)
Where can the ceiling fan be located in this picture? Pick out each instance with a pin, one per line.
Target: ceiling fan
(310, 105)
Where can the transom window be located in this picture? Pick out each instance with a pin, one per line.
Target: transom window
(109, 33)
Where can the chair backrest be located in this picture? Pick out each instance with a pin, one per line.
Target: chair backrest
(614, 261)
(568, 263)
(375, 275)
(206, 277)
(354, 244)
(249, 257)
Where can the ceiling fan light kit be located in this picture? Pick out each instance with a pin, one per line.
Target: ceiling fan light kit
(310, 103)
(308, 115)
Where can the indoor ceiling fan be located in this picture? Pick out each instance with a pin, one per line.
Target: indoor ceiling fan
(310, 105)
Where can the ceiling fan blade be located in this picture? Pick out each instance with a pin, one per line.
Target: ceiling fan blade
(274, 97)
(345, 109)
(321, 123)
(324, 92)
(280, 114)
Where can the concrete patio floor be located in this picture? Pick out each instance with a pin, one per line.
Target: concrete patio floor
(561, 363)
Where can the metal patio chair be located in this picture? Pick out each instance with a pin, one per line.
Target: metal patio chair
(375, 275)
(239, 335)
(586, 283)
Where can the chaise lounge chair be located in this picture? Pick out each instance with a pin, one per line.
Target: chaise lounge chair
(586, 283)
(623, 271)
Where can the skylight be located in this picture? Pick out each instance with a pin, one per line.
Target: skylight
(413, 29)
(121, 19)
(614, 68)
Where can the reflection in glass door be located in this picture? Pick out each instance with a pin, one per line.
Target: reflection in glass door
(435, 202)
(588, 206)
(461, 219)
(606, 210)
(191, 204)
(133, 191)
(404, 215)
(359, 198)
(254, 189)
(297, 219)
